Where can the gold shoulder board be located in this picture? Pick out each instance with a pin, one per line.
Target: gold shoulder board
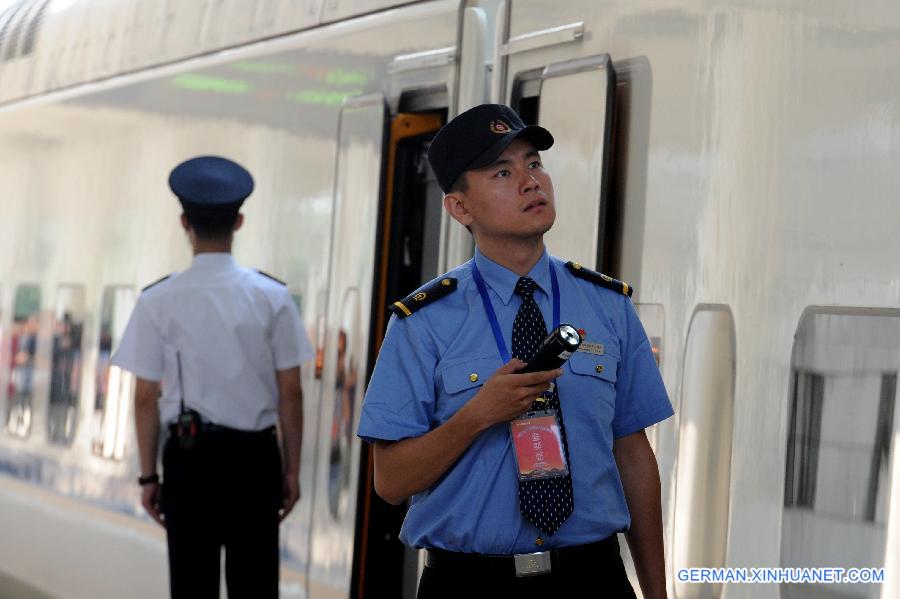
(431, 292)
(601, 279)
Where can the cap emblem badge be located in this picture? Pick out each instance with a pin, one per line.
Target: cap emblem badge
(500, 127)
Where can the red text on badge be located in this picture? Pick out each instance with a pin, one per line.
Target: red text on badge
(538, 446)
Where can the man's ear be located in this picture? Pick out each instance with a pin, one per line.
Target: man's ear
(454, 204)
(184, 222)
(238, 221)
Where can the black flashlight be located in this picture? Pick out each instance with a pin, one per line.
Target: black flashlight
(556, 348)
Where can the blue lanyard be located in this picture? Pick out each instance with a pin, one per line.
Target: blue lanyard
(492, 316)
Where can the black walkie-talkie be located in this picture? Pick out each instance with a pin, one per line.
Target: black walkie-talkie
(188, 420)
(556, 348)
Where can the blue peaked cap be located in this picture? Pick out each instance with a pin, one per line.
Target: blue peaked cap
(211, 186)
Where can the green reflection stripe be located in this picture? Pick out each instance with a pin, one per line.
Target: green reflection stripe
(341, 77)
(211, 84)
(321, 96)
(263, 67)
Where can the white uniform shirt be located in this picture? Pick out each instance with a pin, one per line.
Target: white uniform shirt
(233, 328)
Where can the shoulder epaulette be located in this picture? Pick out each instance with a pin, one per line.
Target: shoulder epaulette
(601, 279)
(432, 292)
(155, 283)
(268, 276)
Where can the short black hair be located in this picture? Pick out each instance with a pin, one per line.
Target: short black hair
(461, 185)
(212, 227)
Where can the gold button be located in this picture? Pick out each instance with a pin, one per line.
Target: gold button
(445, 282)
(599, 368)
(539, 541)
(473, 377)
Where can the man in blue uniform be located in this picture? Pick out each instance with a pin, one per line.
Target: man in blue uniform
(216, 350)
(445, 400)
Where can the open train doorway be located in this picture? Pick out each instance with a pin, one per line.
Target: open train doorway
(408, 249)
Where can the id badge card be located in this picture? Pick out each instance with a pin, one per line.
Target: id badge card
(538, 445)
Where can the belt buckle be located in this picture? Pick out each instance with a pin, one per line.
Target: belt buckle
(532, 564)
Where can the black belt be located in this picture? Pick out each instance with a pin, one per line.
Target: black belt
(558, 560)
(209, 427)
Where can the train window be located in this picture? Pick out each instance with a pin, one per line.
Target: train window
(575, 102)
(66, 361)
(346, 381)
(23, 359)
(113, 386)
(704, 449)
(841, 421)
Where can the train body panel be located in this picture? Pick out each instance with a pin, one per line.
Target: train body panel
(57, 44)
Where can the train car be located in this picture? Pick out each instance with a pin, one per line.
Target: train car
(735, 162)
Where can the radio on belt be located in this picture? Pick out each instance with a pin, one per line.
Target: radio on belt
(556, 348)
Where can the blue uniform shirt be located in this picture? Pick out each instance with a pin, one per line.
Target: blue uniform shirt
(424, 375)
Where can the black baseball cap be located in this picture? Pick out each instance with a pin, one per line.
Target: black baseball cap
(476, 137)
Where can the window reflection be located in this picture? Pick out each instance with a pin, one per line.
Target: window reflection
(804, 436)
(841, 421)
(321, 332)
(23, 351)
(113, 386)
(346, 380)
(65, 374)
(706, 434)
(653, 319)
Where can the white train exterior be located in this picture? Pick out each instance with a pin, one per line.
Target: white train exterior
(736, 162)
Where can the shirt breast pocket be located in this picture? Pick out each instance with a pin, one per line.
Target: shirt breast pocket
(596, 375)
(460, 381)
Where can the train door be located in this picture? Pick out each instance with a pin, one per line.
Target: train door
(548, 74)
(409, 246)
(386, 200)
(358, 184)
(416, 242)
(412, 249)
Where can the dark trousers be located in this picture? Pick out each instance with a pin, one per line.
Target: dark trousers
(594, 571)
(223, 492)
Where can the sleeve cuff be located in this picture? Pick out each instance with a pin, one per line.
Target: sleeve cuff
(295, 361)
(642, 422)
(142, 373)
(386, 432)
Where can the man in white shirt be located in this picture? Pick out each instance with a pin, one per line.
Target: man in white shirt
(216, 350)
